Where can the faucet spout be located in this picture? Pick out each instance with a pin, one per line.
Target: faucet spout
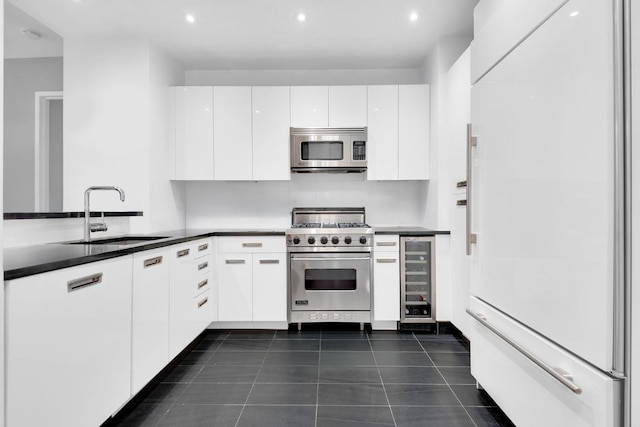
(87, 210)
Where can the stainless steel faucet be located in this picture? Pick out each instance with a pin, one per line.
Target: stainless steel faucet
(98, 226)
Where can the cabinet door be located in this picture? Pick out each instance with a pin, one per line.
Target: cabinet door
(68, 345)
(232, 133)
(382, 136)
(269, 287)
(181, 292)
(309, 106)
(271, 119)
(193, 127)
(386, 285)
(235, 292)
(150, 325)
(347, 106)
(413, 132)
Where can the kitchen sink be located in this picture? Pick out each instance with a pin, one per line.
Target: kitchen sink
(122, 240)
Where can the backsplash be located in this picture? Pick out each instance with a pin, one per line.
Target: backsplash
(268, 204)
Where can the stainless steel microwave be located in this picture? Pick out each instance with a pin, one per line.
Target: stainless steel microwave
(328, 149)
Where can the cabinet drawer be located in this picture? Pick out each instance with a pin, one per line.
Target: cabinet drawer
(251, 244)
(528, 394)
(202, 247)
(201, 284)
(202, 310)
(389, 243)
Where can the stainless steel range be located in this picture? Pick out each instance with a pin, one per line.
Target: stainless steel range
(329, 265)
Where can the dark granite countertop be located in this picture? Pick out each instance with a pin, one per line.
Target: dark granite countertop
(29, 260)
(408, 231)
(45, 215)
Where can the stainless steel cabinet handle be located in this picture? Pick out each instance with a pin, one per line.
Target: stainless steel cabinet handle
(234, 261)
(252, 245)
(472, 141)
(385, 243)
(461, 184)
(82, 282)
(203, 302)
(557, 373)
(203, 247)
(203, 266)
(461, 202)
(269, 261)
(183, 252)
(386, 260)
(152, 261)
(204, 283)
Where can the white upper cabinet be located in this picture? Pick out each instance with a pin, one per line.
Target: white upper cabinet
(310, 106)
(271, 118)
(193, 132)
(347, 106)
(413, 132)
(382, 138)
(232, 135)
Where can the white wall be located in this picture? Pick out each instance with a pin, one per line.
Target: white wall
(634, 401)
(23, 77)
(267, 205)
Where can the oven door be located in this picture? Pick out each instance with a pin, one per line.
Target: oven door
(330, 281)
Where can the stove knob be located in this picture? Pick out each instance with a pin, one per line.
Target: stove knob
(347, 240)
(296, 240)
(311, 240)
(335, 240)
(324, 240)
(363, 240)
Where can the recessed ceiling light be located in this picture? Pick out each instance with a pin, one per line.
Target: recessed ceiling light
(413, 16)
(190, 18)
(302, 17)
(574, 13)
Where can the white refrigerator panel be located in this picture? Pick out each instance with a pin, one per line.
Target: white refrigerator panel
(543, 182)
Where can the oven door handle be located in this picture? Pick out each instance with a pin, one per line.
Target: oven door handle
(297, 258)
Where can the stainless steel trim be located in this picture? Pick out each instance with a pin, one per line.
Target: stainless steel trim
(203, 266)
(203, 247)
(326, 131)
(82, 282)
(471, 142)
(386, 243)
(557, 373)
(303, 258)
(204, 283)
(234, 261)
(269, 261)
(386, 260)
(252, 245)
(461, 203)
(203, 302)
(152, 261)
(182, 253)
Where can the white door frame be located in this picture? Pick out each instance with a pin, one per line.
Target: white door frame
(41, 148)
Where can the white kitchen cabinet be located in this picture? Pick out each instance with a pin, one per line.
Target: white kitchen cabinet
(235, 287)
(68, 345)
(271, 119)
(413, 132)
(386, 278)
(310, 106)
(190, 297)
(382, 129)
(192, 132)
(150, 323)
(347, 106)
(232, 134)
(269, 290)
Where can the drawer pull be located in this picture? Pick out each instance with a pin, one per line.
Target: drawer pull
(203, 266)
(269, 261)
(73, 285)
(386, 260)
(203, 302)
(152, 261)
(234, 261)
(183, 252)
(204, 283)
(462, 202)
(557, 373)
(252, 245)
(203, 247)
(386, 243)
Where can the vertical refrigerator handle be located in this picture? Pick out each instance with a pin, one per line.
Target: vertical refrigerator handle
(471, 142)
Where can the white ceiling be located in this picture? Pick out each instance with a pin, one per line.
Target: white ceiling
(265, 34)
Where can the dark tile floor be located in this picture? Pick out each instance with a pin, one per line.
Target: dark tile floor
(317, 378)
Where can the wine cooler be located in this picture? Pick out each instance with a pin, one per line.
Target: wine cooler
(417, 280)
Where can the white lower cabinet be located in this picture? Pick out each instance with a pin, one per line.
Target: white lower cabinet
(68, 345)
(150, 323)
(386, 278)
(252, 279)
